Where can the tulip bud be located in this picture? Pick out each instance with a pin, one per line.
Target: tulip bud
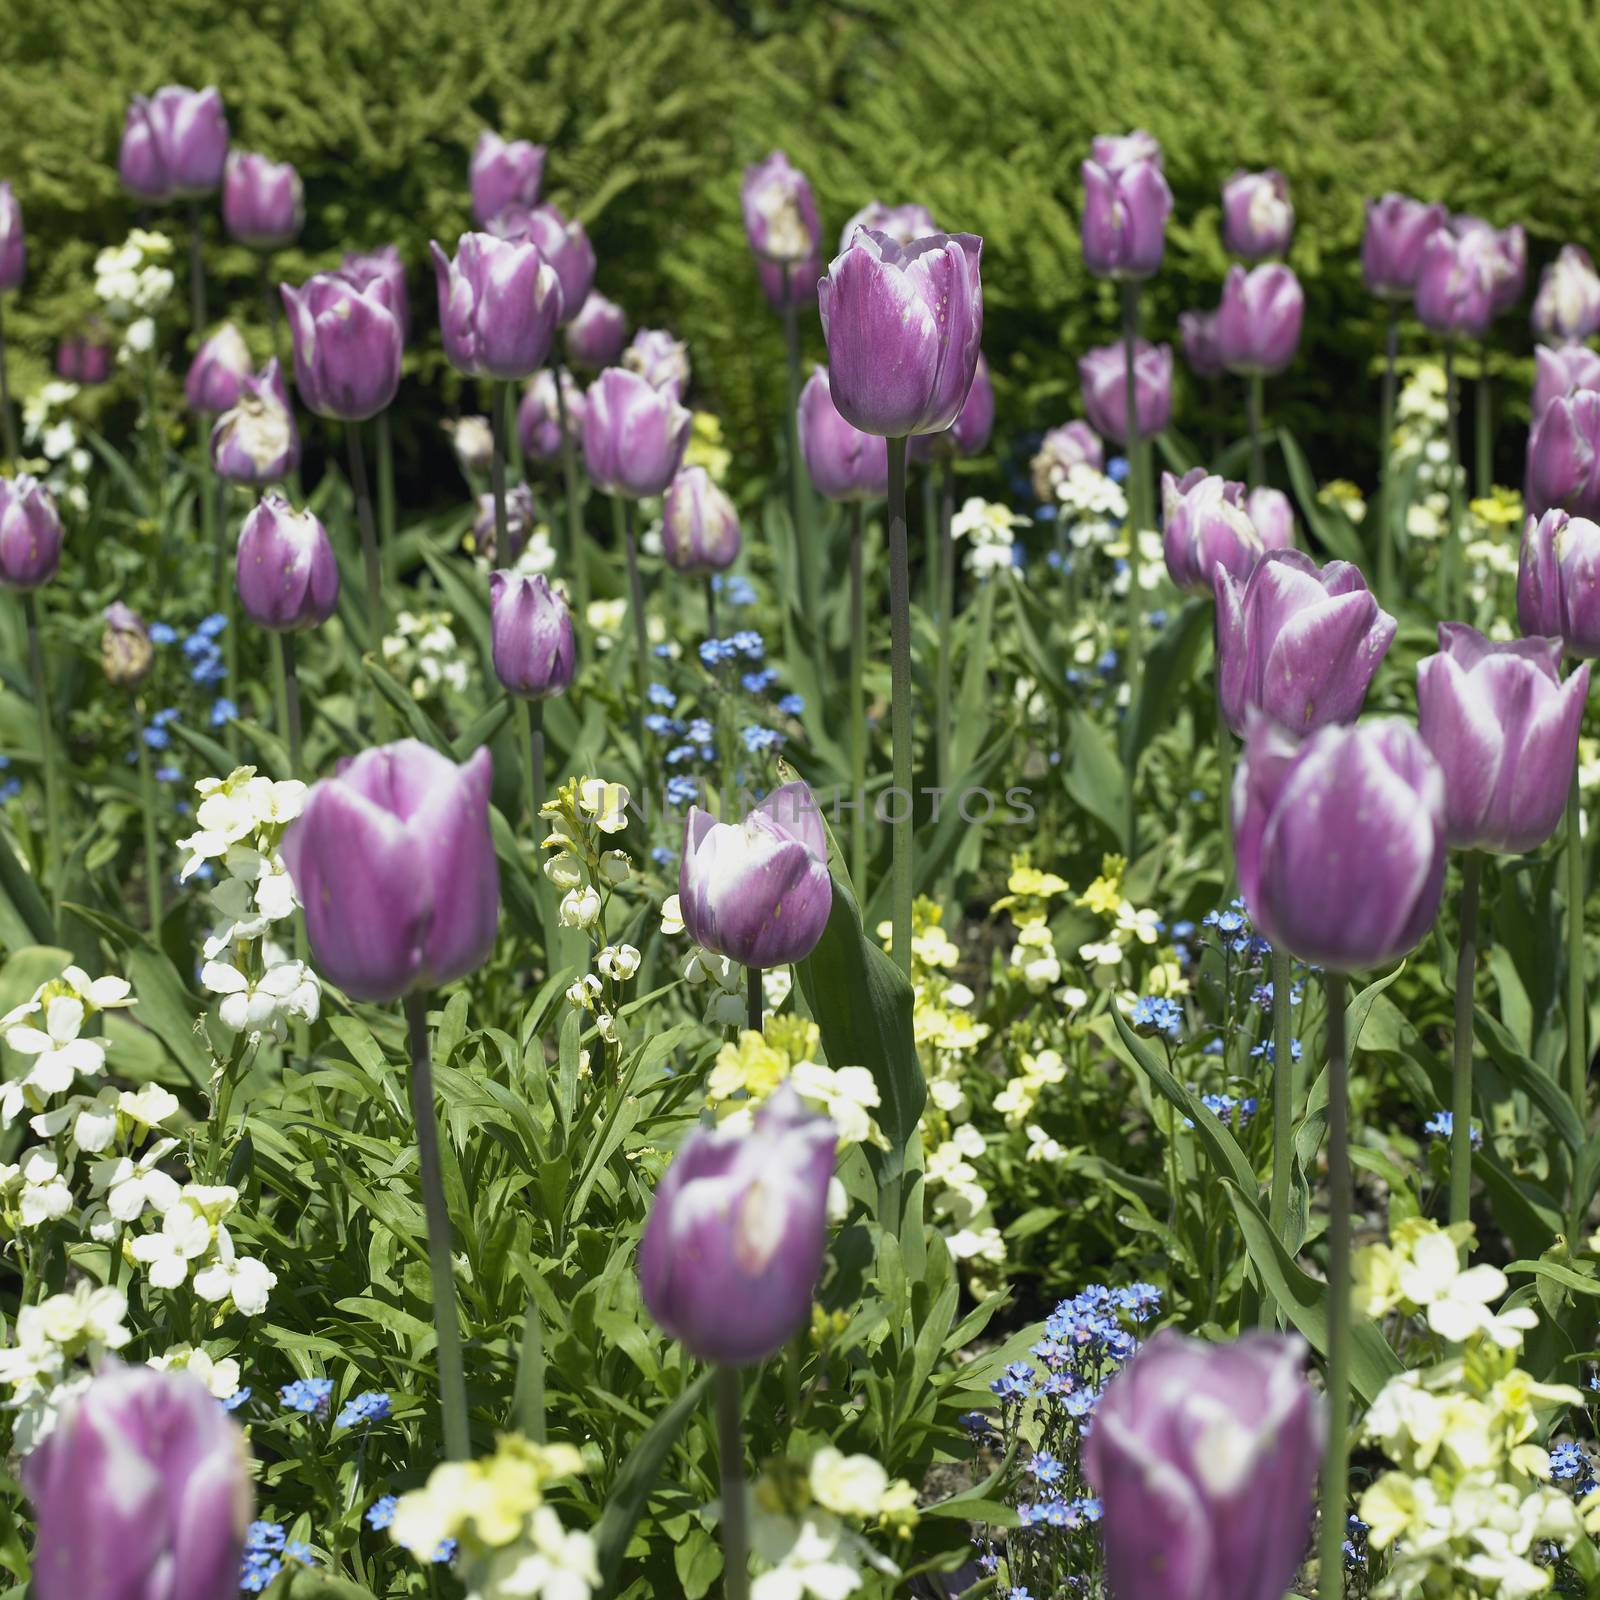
(13, 245)
(126, 653)
(1257, 218)
(1506, 252)
(1205, 1459)
(286, 572)
(1567, 306)
(699, 527)
(166, 1472)
(535, 651)
(1455, 285)
(257, 442)
(564, 244)
(216, 373)
(83, 359)
(504, 173)
(757, 891)
(174, 145)
(1561, 371)
(263, 202)
(521, 517)
(538, 420)
(1206, 528)
(1339, 840)
(30, 533)
(1504, 729)
(1297, 642)
(384, 274)
(1558, 582)
(633, 436)
(1102, 376)
(1197, 332)
(844, 463)
(1116, 152)
(734, 1244)
(1391, 247)
(1272, 516)
(595, 336)
(1061, 450)
(393, 861)
(1258, 322)
(1564, 456)
(499, 303)
(1125, 220)
(903, 330)
(660, 359)
(780, 211)
(903, 223)
(969, 433)
(347, 347)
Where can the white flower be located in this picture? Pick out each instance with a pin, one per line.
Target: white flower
(606, 802)
(583, 992)
(563, 870)
(61, 1054)
(185, 1235)
(45, 1195)
(672, 911)
(1145, 926)
(580, 907)
(249, 1281)
(220, 1377)
(846, 1094)
(851, 1485)
(151, 1105)
(289, 990)
(1456, 1301)
(1041, 1147)
(93, 1121)
(129, 1186)
(615, 866)
(550, 1562)
(977, 1244)
(618, 962)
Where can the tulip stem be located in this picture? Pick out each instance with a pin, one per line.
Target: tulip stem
(1461, 1076)
(1138, 513)
(533, 717)
(1225, 784)
(386, 492)
(753, 1000)
(197, 274)
(900, 706)
(274, 309)
(452, 1376)
(730, 1455)
(147, 805)
(1282, 1098)
(858, 703)
(1386, 539)
(576, 562)
(1450, 566)
(1255, 398)
(1577, 1000)
(47, 741)
(508, 421)
(1483, 402)
(291, 701)
(8, 420)
(947, 595)
(497, 470)
(711, 607)
(1336, 1466)
(799, 500)
(369, 537)
(930, 534)
(641, 636)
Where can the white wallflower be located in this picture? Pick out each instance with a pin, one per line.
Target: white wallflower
(672, 910)
(619, 962)
(59, 1054)
(851, 1485)
(129, 1186)
(249, 1281)
(580, 907)
(220, 1377)
(90, 1123)
(184, 1237)
(45, 1195)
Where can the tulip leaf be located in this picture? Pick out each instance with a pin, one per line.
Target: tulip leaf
(207, 748)
(22, 906)
(1528, 1076)
(418, 723)
(482, 729)
(1333, 529)
(1168, 668)
(1096, 779)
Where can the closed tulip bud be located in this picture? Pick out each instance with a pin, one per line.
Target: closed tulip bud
(1258, 322)
(734, 1244)
(83, 359)
(780, 211)
(126, 653)
(393, 860)
(538, 420)
(1297, 642)
(30, 533)
(1124, 220)
(1073, 444)
(1567, 306)
(257, 442)
(634, 436)
(563, 243)
(1102, 377)
(535, 650)
(174, 145)
(843, 462)
(1204, 1457)
(1205, 527)
(660, 359)
(1273, 517)
(1505, 251)
(903, 329)
(263, 202)
(167, 1473)
(1339, 840)
(1455, 285)
(383, 273)
(1391, 246)
(499, 304)
(595, 336)
(504, 173)
(902, 223)
(217, 373)
(1257, 217)
(1504, 729)
(1197, 332)
(699, 527)
(347, 347)
(13, 245)
(520, 519)
(969, 433)
(790, 283)
(1558, 582)
(757, 891)
(285, 569)
(1562, 370)
(1116, 152)
(1564, 456)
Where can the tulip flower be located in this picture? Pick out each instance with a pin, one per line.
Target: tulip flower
(1272, 516)
(257, 441)
(969, 433)
(734, 1244)
(217, 373)
(1561, 370)
(394, 864)
(347, 347)
(263, 202)
(538, 419)
(562, 242)
(1391, 246)
(660, 359)
(499, 303)
(634, 435)
(1116, 152)
(780, 211)
(844, 463)
(384, 274)
(1061, 450)
(504, 173)
(1558, 582)
(126, 653)
(521, 518)
(699, 526)
(757, 891)
(13, 244)
(1455, 284)
(533, 645)
(285, 568)
(1567, 306)
(1257, 216)
(1564, 456)
(141, 1492)
(595, 336)
(1258, 321)
(1102, 373)
(1505, 251)
(1205, 527)
(83, 359)
(174, 145)
(1297, 642)
(30, 534)
(1197, 332)
(903, 224)
(1125, 220)
(1205, 1459)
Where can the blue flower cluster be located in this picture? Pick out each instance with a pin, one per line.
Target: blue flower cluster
(310, 1395)
(1158, 1014)
(1442, 1124)
(737, 590)
(1261, 995)
(381, 1513)
(372, 1406)
(1269, 1049)
(1570, 1464)
(1355, 1542)
(266, 1548)
(756, 739)
(746, 645)
(9, 786)
(206, 666)
(1224, 1107)
(155, 730)
(238, 1398)
(1232, 924)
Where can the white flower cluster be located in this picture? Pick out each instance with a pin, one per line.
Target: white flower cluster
(1420, 440)
(1091, 503)
(193, 1237)
(130, 278)
(989, 529)
(423, 652)
(55, 1346)
(54, 436)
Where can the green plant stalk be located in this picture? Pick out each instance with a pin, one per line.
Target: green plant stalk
(1282, 1103)
(1255, 399)
(799, 495)
(147, 806)
(497, 470)
(452, 1375)
(269, 295)
(533, 721)
(386, 492)
(900, 707)
(577, 564)
(1386, 539)
(1577, 998)
(753, 1000)
(930, 537)
(8, 421)
(1461, 1073)
(730, 1460)
(1450, 567)
(641, 637)
(1225, 784)
(947, 596)
(197, 274)
(711, 607)
(1483, 405)
(47, 742)
(289, 722)
(858, 702)
(508, 404)
(1137, 509)
(1336, 1462)
(369, 537)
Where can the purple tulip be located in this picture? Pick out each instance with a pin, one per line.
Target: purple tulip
(1455, 285)
(790, 284)
(780, 211)
(13, 244)
(1197, 332)
(1504, 729)
(1297, 642)
(499, 303)
(539, 421)
(969, 433)
(902, 223)
(1257, 216)
(1062, 449)
(504, 173)
(1391, 247)
(1505, 250)
(521, 518)
(661, 359)
(257, 442)
(1116, 152)
(1564, 456)
(347, 347)
(1558, 582)
(1269, 510)
(843, 462)
(757, 891)
(174, 145)
(734, 1244)
(393, 861)
(903, 329)
(1102, 375)
(165, 1472)
(595, 336)
(1205, 1459)
(30, 533)
(1258, 322)
(83, 359)
(1205, 528)
(1567, 306)
(563, 243)
(384, 274)
(217, 373)
(699, 526)
(534, 648)
(126, 652)
(1125, 220)
(1339, 840)
(634, 436)
(1562, 370)
(263, 202)
(285, 570)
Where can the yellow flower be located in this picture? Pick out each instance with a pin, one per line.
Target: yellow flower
(1104, 895)
(750, 1066)
(1394, 1505)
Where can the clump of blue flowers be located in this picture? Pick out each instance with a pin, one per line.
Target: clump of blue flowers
(310, 1395)
(1158, 1015)
(1442, 1124)
(266, 1549)
(373, 1406)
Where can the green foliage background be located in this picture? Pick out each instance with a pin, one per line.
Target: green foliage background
(980, 108)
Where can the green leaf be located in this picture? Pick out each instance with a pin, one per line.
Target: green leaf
(21, 892)
(1531, 1079)
(1333, 529)
(1096, 779)
(1568, 1277)
(529, 1405)
(483, 728)
(1168, 668)
(418, 722)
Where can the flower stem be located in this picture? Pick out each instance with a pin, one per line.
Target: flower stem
(641, 635)
(711, 607)
(1336, 1464)
(269, 293)
(452, 1377)
(197, 275)
(8, 421)
(900, 706)
(497, 469)
(1255, 401)
(369, 536)
(508, 420)
(1282, 1098)
(858, 704)
(947, 587)
(1225, 784)
(147, 805)
(1138, 512)
(1577, 999)
(799, 499)
(533, 716)
(1483, 402)
(291, 701)
(1461, 1075)
(47, 743)
(577, 563)
(385, 491)
(730, 1454)
(753, 1002)
(1386, 539)
(1450, 567)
